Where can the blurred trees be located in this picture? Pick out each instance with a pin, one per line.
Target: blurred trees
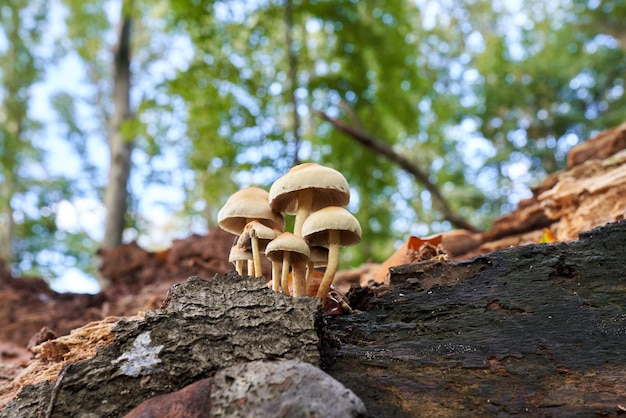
(483, 97)
(22, 24)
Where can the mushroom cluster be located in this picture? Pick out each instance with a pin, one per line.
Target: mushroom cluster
(317, 196)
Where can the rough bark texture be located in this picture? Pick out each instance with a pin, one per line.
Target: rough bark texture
(205, 326)
(537, 330)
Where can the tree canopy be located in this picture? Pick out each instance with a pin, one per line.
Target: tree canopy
(481, 98)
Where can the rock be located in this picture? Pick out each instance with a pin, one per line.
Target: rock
(193, 401)
(288, 388)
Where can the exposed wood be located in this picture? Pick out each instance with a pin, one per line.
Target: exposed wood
(420, 176)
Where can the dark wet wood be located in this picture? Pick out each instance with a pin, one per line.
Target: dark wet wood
(532, 330)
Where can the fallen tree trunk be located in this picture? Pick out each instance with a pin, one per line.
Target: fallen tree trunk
(532, 330)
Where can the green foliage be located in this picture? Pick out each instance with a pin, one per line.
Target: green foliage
(527, 86)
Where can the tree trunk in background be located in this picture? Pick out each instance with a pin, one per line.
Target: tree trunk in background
(293, 79)
(116, 192)
(6, 220)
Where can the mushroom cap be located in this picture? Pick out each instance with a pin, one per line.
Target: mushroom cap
(329, 186)
(316, 227)
(287, 241)
(238, 253)
(263, 233)
(251, 203)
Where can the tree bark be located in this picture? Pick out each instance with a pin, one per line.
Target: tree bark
(381, 148)
(203, 326)
(537, 330)
(116, 191)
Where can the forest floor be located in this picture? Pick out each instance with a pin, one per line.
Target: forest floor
(588, 193)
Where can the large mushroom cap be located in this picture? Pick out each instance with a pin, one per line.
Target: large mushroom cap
(329, 186)
(251, 203)
(288, 242)
(315, 228)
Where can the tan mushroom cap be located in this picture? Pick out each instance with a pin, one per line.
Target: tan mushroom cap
(238, 253)
(288, 242)
(315, 228)
(251, 203)
(329, 186)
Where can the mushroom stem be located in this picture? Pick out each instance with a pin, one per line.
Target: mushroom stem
(333, 263)
(256, 256)
(251, 268)
(305, 201)
(298, 275)
(284, 277)
(275, 276)
(239, 267)
(310, 267)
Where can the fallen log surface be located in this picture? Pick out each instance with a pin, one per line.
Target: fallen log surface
(537, 330)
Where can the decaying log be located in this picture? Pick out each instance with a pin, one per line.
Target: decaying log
(538, 330)
(205, 325)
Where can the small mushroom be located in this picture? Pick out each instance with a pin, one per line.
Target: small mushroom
(247, 205)
(290, 250)
(308, 187)
(256, 236)
(237, 256)
(332, 227)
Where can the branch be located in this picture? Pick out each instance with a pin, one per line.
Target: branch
(422, 177)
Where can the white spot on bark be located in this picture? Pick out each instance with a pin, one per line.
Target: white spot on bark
(141, 359)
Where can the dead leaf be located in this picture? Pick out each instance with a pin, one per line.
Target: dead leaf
(408, 253)
(547, 236)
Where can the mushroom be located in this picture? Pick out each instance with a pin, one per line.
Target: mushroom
(332, 227)
(247, 205)
(256, 236)
(291, 250)
(308, 187)
(237, 256)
